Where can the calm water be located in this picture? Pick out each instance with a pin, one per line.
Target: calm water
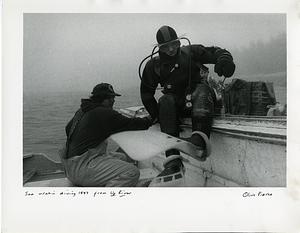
(46, 115)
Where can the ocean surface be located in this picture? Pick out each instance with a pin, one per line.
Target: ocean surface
(45, 116)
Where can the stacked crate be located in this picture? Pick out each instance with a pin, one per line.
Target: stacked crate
(248, 98)
(262, 95)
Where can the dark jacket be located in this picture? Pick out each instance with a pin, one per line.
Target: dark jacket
(173, 73)
(97, 124)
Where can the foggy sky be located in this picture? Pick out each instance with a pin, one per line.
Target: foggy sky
(71, 52)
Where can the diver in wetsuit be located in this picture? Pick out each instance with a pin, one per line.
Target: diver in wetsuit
(185, 91)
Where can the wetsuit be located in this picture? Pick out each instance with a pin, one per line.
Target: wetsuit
(172, 73)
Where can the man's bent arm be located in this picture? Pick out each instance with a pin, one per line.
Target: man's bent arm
(122, 123)
(222, 59)
(148, 86)
(208, 55)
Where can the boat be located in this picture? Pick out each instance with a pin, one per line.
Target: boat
(247, 151)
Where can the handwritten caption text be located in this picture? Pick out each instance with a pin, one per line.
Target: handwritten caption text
(81, 193)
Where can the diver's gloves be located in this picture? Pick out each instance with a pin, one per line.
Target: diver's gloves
(150, 120)
(225, 66)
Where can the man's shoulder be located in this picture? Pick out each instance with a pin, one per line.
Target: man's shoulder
(103, 111)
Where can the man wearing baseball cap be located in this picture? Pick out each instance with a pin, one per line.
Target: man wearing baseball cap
(185, 92)
(86, 160)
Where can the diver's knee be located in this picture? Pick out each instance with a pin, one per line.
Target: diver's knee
(201, 114)
(203, 106)
(167, 100)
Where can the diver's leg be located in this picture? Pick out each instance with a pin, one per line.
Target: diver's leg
(203, 108)
(168, 118)
(202, 113)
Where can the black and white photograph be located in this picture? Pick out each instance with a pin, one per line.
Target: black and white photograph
(154, 100)
(150, 116)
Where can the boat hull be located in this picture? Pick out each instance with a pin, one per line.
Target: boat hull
(234, 162)
(246, 152)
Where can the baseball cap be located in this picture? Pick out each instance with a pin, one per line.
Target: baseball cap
(104, 89)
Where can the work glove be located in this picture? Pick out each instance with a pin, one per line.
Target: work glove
(154, 121)
(224, 66)
(150, 120)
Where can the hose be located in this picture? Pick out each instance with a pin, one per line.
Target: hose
(151, 55)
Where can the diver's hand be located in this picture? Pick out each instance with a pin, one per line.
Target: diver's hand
(224, 67)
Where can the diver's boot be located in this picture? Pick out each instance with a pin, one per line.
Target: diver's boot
(173, 164)
(172, 175)
(201, 141)
(197, 140)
